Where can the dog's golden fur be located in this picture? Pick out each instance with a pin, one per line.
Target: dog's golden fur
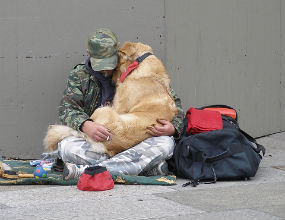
(140, 100)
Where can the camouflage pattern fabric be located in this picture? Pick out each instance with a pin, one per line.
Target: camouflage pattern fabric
(134, 161)
(80, 98)
(82, 94)
(103, 46)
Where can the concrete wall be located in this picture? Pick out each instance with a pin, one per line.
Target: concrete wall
(229, 52)
(41, 41)
(282, 54)
(216, 51)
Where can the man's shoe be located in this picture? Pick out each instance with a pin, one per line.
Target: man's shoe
(159, 169)
(73, 171)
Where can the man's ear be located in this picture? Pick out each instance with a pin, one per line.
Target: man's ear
(87, 52)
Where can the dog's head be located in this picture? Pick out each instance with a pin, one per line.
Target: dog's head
(128, 53)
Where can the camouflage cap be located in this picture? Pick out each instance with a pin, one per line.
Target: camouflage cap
(103, 46)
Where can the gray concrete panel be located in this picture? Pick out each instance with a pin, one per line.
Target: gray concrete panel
(40, 43)
(282, 89)
(228, 52)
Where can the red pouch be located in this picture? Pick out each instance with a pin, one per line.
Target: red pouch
(203, 120)
(95, 179)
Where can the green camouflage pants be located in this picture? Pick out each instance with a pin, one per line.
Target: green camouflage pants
(133, 161)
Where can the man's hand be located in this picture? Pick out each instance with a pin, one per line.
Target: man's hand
(96, 131)
(167, 129)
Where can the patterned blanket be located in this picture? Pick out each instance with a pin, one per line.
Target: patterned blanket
(55, 178)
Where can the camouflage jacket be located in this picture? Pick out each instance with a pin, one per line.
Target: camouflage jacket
(83, 92)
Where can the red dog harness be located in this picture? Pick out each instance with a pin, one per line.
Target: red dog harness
(133, 65)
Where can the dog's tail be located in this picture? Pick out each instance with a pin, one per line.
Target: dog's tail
(55, 134)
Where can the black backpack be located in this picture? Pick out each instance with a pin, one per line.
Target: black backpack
(225, 154)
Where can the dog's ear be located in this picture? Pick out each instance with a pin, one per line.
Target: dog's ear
(124, 59)
(116, 75)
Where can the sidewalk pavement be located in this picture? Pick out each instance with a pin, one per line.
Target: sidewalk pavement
(261, 198)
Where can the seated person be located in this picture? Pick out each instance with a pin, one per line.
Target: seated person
(90, 86)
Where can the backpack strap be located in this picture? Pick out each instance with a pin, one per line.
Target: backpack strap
(195, 183)
(233, 149)
(259, 148)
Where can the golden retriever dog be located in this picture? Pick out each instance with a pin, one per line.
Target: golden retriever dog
(142, 98)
